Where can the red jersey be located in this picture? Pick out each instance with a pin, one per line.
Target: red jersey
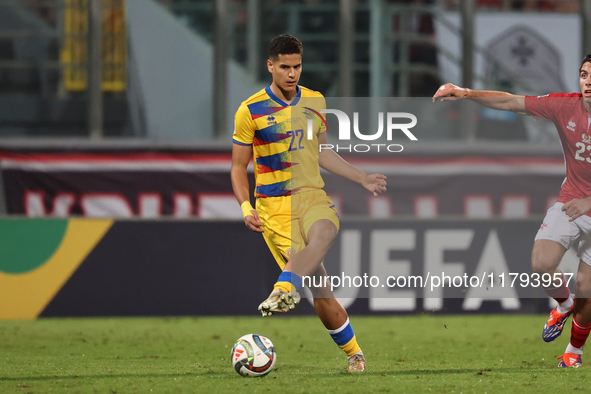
(568, 113)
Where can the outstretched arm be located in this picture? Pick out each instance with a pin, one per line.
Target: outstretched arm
(240, 158)
(493, 99)
(333, 163)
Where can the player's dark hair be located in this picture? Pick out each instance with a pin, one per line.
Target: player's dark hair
(585, 60)
(285, 45)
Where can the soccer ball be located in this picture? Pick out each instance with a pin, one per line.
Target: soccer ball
(253, 355)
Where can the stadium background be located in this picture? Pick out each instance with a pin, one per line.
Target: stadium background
(115, 146)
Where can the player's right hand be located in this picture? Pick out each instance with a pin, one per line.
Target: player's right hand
(253, 223)
(577, 207)
(450, 92)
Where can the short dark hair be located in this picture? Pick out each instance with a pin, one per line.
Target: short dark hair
(585, 60)
(285, 45)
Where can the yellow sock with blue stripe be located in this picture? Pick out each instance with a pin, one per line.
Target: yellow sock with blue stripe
(288, 281)
(344, 337)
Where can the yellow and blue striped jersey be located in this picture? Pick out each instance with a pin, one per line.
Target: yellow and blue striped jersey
(285, 152)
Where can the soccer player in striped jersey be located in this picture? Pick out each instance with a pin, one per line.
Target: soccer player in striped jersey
(297, 219)
(570, 217)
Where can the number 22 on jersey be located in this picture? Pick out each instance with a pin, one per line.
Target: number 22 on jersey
(296, 139)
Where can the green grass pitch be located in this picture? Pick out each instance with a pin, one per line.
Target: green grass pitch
(409, 354)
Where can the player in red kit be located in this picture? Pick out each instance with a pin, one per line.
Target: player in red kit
(570, 217)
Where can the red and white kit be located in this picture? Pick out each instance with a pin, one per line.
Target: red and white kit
(568, 113)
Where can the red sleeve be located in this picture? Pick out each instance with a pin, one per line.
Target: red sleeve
(546, 106)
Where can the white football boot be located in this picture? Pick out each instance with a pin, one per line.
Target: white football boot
(279, 301)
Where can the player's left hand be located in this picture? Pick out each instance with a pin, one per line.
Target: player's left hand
(577, 207)
(375, 183)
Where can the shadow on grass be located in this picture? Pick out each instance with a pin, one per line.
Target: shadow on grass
(124, 375)
(316, 374)
(470, 371)
(440, 372)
